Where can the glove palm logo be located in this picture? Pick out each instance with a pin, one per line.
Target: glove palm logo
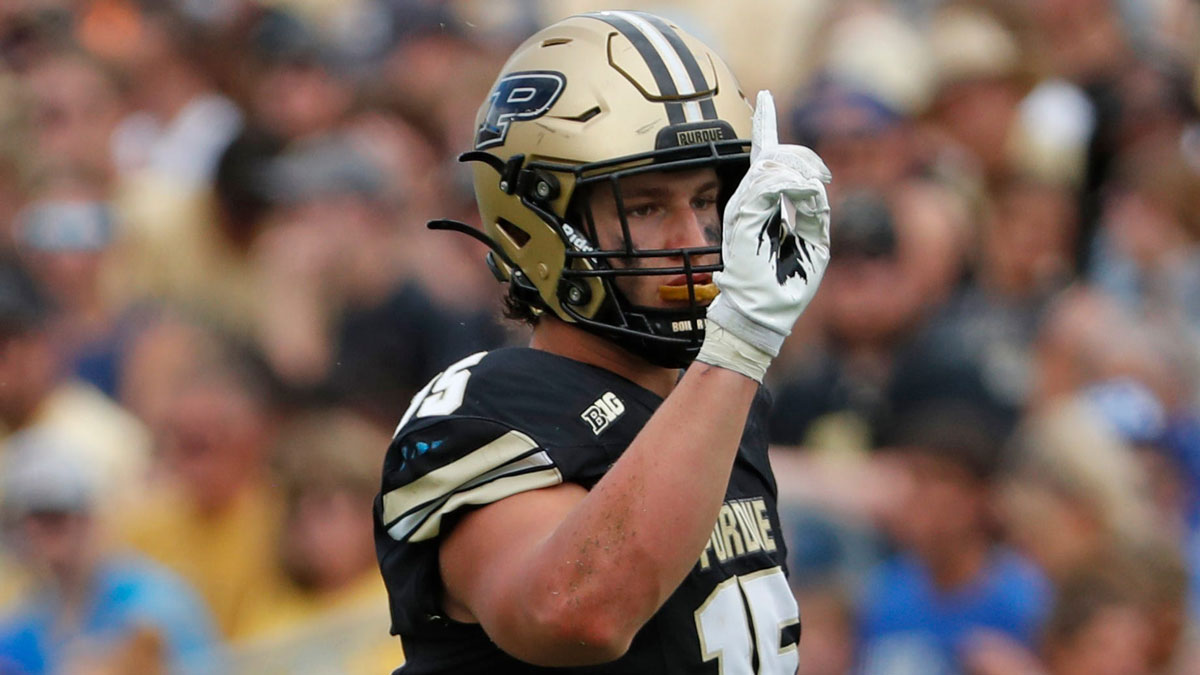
(790, 254)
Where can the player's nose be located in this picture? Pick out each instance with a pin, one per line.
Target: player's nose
(685, 228)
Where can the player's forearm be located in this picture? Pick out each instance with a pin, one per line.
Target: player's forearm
(622, 551)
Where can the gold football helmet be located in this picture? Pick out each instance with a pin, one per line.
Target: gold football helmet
(578, 106)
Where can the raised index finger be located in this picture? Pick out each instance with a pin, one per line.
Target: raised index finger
(763, 131)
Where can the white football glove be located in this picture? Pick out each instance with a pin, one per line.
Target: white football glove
(775, 247)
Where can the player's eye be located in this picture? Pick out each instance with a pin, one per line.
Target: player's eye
(703, 203)
(640, 211)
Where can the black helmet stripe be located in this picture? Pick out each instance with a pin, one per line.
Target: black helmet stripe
(652, 57)
(689, 62)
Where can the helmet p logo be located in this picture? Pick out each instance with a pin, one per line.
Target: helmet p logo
(520, 96)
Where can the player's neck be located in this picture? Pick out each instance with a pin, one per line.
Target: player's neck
(558, 337)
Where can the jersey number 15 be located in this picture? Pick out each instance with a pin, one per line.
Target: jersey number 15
(745, 617)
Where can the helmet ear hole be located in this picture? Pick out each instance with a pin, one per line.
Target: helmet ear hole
(516, 235)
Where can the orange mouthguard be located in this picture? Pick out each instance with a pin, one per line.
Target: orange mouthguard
(704, 292)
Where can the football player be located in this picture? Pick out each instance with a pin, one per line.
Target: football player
(578, 505)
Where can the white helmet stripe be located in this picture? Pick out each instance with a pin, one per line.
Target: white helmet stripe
(679, 74)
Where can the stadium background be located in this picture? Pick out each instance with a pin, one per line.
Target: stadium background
(217, 295)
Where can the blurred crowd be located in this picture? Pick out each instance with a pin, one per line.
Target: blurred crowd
(217, 296)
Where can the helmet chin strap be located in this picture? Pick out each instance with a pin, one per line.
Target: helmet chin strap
(668, 338)
(678, 324)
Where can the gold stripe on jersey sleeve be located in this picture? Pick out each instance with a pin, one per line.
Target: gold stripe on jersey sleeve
(439, 483)
(487, 493)
(539, 461)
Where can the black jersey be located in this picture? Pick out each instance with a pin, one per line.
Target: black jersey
(503, 422)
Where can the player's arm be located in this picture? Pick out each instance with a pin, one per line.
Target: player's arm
(564, 576)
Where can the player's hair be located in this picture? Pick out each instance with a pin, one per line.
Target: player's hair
(519, 309)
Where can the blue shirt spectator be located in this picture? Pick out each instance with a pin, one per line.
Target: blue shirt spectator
(909, 626)
(91, 609)
(130, 599)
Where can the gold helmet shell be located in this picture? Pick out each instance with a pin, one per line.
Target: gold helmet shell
(585, 101)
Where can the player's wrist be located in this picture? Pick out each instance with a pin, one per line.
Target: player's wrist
(729, 315)
(727, 347)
